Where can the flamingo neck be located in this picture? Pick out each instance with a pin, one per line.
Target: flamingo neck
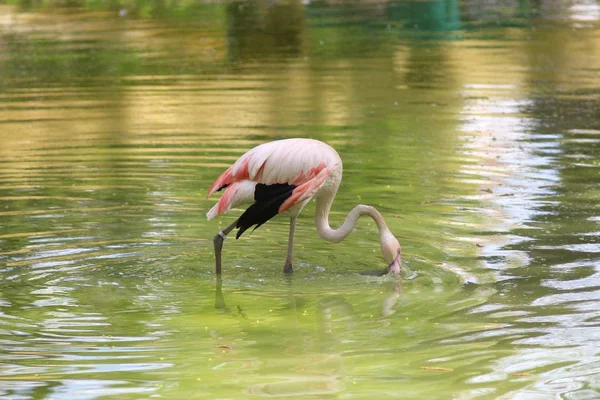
(337, 235)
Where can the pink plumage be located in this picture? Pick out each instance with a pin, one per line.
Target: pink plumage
(283, 176)
(303, 163)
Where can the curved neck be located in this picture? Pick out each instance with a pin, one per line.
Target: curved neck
(337, 235)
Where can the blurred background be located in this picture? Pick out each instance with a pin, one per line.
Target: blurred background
(473, 126)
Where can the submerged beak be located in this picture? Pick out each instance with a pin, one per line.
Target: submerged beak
(396, 265)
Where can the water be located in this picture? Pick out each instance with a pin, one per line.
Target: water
(472, 126)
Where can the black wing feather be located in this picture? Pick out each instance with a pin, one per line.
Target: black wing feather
(268, 200)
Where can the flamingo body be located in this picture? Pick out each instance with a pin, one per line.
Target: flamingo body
(278, 176)
(284, 175)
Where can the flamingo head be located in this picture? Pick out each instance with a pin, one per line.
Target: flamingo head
(392, 252)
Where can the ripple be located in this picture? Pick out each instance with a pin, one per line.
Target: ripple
(480, 152)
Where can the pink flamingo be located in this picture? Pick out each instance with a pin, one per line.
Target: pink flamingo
(284, 175)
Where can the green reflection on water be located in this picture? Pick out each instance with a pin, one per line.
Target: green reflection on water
(481, 153)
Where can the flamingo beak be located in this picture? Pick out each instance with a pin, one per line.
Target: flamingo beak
(396, 265)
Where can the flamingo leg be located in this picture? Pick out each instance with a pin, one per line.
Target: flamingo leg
(288, 260)
(218, 242)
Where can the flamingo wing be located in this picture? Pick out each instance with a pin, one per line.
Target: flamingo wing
(268, 202)
(276, 176)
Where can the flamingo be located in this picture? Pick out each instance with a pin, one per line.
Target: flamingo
(284, 175)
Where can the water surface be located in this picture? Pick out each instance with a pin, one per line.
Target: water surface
(473, 127)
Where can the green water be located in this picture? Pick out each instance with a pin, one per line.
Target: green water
(474, 127)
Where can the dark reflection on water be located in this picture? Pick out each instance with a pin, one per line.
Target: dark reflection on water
(473, 126)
